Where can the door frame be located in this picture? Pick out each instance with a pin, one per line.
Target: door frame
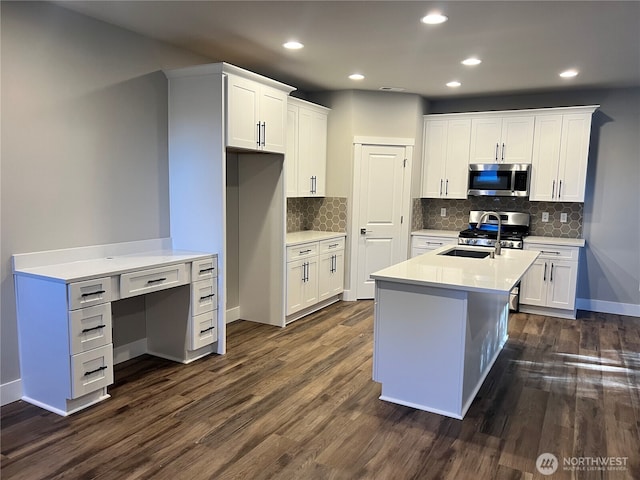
(352, 247)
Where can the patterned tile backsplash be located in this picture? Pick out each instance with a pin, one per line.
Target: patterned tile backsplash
(426, 214)
(327, 214)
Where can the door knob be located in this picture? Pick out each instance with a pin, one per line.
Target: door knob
(364, 231)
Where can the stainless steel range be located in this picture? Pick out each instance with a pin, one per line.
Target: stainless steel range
(515, 226)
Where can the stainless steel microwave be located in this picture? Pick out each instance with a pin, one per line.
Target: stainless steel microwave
(499, 179)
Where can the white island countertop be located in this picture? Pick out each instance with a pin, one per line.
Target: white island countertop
(499, 274)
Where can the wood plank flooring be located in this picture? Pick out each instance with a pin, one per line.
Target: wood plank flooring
(299, 403)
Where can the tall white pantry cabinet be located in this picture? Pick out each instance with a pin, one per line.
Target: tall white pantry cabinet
(213, 109)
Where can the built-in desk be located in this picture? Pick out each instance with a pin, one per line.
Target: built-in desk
(64, 302)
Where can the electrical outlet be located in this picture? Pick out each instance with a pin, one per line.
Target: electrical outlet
(563, 218)
(545, 216)
(443, 212)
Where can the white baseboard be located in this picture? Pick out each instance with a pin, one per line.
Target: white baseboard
(349, 296)
(129, 351)
(604, 306)
(233, 314)
(10, 392)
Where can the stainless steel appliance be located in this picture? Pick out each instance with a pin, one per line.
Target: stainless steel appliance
(499, 179)
(515, 226)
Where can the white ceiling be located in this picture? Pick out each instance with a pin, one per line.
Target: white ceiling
(524, 45)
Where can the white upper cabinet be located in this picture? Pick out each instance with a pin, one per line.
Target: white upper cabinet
(501, 138)
(306, 156)
(256, 114)
(560, 155)
(445, 165)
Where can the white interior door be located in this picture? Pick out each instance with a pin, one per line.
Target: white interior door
(380, 200)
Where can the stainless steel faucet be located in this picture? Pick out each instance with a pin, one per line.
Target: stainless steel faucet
(498, 248)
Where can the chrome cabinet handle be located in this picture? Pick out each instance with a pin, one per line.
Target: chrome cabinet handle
(435, 243)
(258, 125)
(548, 252)
(551, 276)
(333, 245)
(446, 187)
(157, 280)
(503, 152)
(207, 296)
(264, 134)
(205, 270)
(207, 330)
(85, 330)
(553, 190)
(497, 146)
(440, 194)
(92, 293)
(544, 275)
(560, 189)
(302, 252)
(91, 372)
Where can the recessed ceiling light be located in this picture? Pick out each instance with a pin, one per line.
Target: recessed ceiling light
(434, 18)
(356, 76)
(453, 84)
(569, 73)
(293, 45)
(471, 61)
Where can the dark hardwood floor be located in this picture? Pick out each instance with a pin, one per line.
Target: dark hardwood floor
(299, 403)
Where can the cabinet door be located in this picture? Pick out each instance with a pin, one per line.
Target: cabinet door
(516, 139)
(533, 287)
(330, 275)
(296, 271)
(546, 153)
(291, 154)
(306, 167)
(574, 151)
(319, 151)
(310, 286)
(242, 113)
(457, 165)
(562, 281)
(272, 114)
(485, 139)
(434, 158)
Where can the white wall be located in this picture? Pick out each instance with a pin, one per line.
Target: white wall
(84, 139)
(609, 278)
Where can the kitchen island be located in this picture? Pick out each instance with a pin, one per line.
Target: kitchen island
(440, 323)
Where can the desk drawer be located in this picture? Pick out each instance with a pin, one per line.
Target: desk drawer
(152, 280)
(204, 296)
(305, 250)
(332, 245)
(89, 328)
(204, 269)
(91, 370)
(203, 330)
(89, 292)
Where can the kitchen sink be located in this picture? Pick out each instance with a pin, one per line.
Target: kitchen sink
(460, 252)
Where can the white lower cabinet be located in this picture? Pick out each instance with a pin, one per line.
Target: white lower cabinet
(424, 243)
(549, 287)
(315, 276)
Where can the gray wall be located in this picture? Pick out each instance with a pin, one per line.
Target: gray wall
(84, 140)
(610, 267)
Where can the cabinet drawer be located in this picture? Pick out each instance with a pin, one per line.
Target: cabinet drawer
(204, 296)
(204, 269)
(91, 370)
(152, 280)
(305, 250)
(554, 252)
(203, 330)
(431, 243)
(89, 328)
(89, 292)
(332, 245)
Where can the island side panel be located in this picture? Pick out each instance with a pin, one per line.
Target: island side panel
(486, 334)
(419, 345)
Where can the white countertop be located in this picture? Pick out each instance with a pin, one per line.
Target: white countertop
(437, 233)
(499, 274)
(570, 242)
(295, 238)
(107, 266)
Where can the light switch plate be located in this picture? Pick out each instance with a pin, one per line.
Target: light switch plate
(563, 218)
(545, 216)
(443, 212)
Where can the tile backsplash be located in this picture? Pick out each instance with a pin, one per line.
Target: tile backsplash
(327, 214)
(426, 214)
